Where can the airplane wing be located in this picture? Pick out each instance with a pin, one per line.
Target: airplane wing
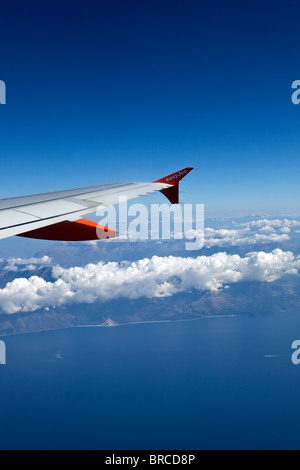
(58, 215)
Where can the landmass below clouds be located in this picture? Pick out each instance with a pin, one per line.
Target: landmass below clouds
(156, 277)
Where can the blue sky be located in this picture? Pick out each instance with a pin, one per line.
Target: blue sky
(130, 91)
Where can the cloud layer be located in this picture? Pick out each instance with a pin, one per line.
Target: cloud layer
(156, 277)
(26, 264)
(254, 232)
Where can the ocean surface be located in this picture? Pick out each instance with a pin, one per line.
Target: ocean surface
(216, 383)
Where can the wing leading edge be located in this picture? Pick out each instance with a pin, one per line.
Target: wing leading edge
(58, 215)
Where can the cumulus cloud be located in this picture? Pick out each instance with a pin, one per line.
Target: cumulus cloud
(238, 237)
(275, 223)
(253, 232)
(156, 277)
(26, 264)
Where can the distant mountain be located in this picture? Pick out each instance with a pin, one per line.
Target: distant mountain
(246, 298)
(241, 298)
(80, 254)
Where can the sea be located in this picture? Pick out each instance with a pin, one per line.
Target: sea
(214, 383)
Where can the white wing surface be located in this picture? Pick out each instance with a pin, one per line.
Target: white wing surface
(28, 215)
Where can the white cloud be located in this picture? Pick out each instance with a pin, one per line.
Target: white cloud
(276, 223)
(26, 264)
(149, 278)
(253, 232)
(239, 237)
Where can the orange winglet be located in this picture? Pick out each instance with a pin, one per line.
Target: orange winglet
(172, 193)
(81, 230)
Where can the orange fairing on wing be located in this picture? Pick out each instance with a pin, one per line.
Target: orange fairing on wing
(81, 230)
